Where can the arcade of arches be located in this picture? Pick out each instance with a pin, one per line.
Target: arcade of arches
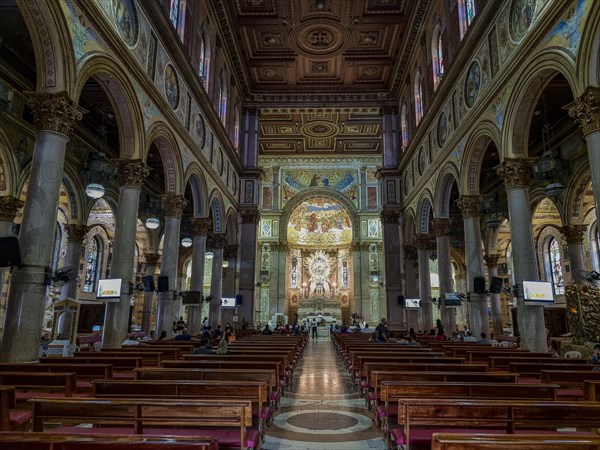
(301, 158)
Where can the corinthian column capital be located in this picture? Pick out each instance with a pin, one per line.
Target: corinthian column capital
(516, 172)
(469, 205)
(75, 232)
(441, 226)
(54, 111)
(201, 225)
(491, 260)
(9, 207)
(132, 172)
(390, 216)
(573, 233)
(422, 241)
(250, 215)
(174, 205)
(151, 258)
(586, 110)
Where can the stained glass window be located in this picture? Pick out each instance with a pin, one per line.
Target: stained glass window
(91, 265)
(466, 14)
(404, 123)
(470, 11)
(437, 56)
(174, 12)
(223, 97)
(202, 56)
(236, 128)
(440, 56)
(556, 270)
(418, 95)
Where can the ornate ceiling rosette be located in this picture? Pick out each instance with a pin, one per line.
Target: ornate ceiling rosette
(320, 38)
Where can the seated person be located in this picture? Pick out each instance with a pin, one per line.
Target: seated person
(204, 348)
(183, 336)
(267, 330)
(484, 339)
(163, 335)
(596, 355)
(130, 340)
(469, 337)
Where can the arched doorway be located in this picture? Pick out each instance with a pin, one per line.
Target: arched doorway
(319, 274)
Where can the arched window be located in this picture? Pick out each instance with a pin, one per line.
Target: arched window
(204, 63)
(236, 128)
(201, 57)
(466, 14)
(223, 97)
(437, 56)
(92, 261)
(554, 266)
(418, 96)
(174, 13)
(404, 124)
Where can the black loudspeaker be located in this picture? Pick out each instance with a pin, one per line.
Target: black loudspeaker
(479, 285)
(163, 283)
(238, 299)
(401, 300)
(148, 282)
(10, 255)
(495, 285)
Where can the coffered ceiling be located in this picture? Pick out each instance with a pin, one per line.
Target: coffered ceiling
(319, 71)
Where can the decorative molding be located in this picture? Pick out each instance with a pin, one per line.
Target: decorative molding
(76, 233)
(586, 110)
(201, 225)
(151, 259)
(54, 111)
(131, 172)
(469, 205)
(516, 172)
(573, 233)
(9, 207)
(174, 205)
(441, 226)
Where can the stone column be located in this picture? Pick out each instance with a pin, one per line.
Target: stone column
(277, 293)
(9, 206)
(168, 308)
(586, 112)
(517, 173)
(359, 279)
(412, 287)
(216, 281)
(151, 263)
(230, 256)
(574, 236)
(247, 273)
(116, 318)
(54, 117)
(390, 220)
(441, 228)
(497, 323)
(197, 278)
(422, 242)
(478, 310)
(75, 236)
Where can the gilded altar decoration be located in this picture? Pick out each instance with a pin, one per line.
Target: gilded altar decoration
(320, 221)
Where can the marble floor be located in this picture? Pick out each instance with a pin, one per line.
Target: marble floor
(322, 410)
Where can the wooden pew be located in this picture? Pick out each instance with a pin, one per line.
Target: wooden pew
(569, 378)
(255, 391)
(12, 419)
(478, 441)
(149, 358)
(535, 369)
(502, 362)
(591, 390)
(227, 420)
(34, 383)
(168, 351)
(420, 418)
(484, 354)
(227, 364)
(120, 363)
(84, 372)
(60, 441)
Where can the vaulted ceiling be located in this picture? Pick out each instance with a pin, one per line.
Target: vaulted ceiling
(320, 70)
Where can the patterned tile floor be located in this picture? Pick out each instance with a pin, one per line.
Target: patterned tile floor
(322, 410)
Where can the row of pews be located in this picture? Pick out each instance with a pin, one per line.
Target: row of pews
(456, 395)
(152, 396)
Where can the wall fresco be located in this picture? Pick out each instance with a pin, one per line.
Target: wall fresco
(344, 181)
(320, 221)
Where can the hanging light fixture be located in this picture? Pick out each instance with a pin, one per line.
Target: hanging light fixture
(99, 168)
(186, 242)
(225, 264)
(209, 255)
(151, 208)
(152, 223)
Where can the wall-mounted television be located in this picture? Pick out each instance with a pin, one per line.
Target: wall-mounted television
(109, 289)
(412, 303)
(538, 292)
(452, 299)
(228, 302)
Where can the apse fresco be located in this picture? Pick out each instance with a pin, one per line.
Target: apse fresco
(344, 181)
(320, 221)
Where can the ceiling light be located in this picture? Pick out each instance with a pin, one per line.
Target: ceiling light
(94, 190)
(209, 255)
(225, 264)
(152, 223)
(186, 242)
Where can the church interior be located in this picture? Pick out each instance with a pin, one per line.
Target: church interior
(428, 165)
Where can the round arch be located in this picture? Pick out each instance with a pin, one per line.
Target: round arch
(218, 210)
(409, 224)
(588, 60)
(448, 176)
(166, 143)
(231, 229)
(575, 191)
(521, 103)
(9, 167)
(123, 99)
(291, 205)
(424, 208)
(195, 177)
(475, 147)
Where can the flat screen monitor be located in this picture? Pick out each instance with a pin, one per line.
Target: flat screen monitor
(228, 302)
(412, 303)
(538, 292)
(96, 328)
(109, 289)
(452, 299)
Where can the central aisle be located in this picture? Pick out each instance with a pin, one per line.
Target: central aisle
(322, 410)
